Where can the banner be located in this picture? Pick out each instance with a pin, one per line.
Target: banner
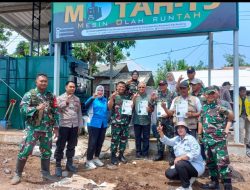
(88, 21)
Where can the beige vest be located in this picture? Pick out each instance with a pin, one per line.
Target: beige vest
(191, 122)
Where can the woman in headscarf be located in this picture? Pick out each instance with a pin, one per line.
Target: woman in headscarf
(98, 109)
(171, 81)
(188, 163)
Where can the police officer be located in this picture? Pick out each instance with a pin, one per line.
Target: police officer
(164, 95)
(69, 107)
(215, 121)
(39, 109)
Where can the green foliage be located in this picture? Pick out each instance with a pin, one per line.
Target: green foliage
(93, 52)
(5, 34)
(230, 59)
(22, 49)
(173, 65)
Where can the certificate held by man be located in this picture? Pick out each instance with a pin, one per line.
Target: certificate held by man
(127, 107)
(182, 109)
(160, 110)
(142, 107)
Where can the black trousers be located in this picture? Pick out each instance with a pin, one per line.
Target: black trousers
(69, 135)
(96, 139)
(183, 171)
(142, 135)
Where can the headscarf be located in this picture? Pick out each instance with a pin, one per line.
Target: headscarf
(171, 84)
(98, 88)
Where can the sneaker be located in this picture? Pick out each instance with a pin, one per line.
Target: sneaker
(90, 165)
(98, 162)
(182, 188)
(192, 180)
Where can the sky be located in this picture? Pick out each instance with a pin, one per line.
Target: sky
(192, 55)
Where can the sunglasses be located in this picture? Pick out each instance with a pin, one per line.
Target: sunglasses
(183, 88)
(141, 87)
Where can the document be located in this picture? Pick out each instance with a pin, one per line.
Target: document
(142, 107)
(160, 111)
(182, 109)
(127, 107)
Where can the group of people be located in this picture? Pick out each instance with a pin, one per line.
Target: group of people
(190, 119)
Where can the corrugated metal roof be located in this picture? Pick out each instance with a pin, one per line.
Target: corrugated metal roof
(104, 70)
(18, 16)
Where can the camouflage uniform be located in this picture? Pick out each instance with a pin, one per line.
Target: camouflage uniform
(39, 125)
(132, 88)
(168, 126)
(213, 119)
(200, 96)
(119, 125)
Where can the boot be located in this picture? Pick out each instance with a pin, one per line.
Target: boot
(213, 184)
(114, 159)
(69, 166)
(159, 156)
(122, 158)
(228, 184)
(45, 166)
(58, 170)
(19, 169)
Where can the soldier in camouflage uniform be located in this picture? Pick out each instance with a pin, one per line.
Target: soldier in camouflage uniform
(39, 109)
(131, 89)
(132, 85)
(215, 121)
(119, 123)
(164, 95)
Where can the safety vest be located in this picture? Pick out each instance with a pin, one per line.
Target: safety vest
(247, 105)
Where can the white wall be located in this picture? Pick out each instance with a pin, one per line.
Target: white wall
(219, 76)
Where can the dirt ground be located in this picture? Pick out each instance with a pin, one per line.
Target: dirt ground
(135, 175)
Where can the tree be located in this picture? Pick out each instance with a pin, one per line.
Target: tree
(230, 59)
(93, 52)
(5, 34)
(22, 49)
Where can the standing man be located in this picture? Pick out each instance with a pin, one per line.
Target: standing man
(225, 92)
(142, 121)
(244, 116)
(119, 123)
(185, 108)
(191, 75)
(39, 108)
(164, 95)
(215, 121)
(69, 107)
(220, 101)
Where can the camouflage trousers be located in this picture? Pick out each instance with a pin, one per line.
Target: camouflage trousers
(168, 130)
(217, 160)
(26, 147)
(119, 138)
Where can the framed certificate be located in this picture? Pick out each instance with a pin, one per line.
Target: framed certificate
(160, 111)
(127, 107)
(182, 109)
(142, 107)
